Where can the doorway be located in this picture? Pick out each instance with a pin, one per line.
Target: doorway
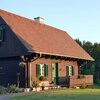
(55, 72)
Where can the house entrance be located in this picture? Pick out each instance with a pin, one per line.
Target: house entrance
(55, 72)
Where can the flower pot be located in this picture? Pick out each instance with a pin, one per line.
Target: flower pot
(26, 89)
(34, 89)
(38, 89)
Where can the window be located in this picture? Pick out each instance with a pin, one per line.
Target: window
(1, 34)
(70, 70)
(41, 70)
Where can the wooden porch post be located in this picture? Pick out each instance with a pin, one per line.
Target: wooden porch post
(28, 82)
(29, 75)
(26, 75)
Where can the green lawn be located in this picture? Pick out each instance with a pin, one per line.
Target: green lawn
(95, 86)
(68, 94)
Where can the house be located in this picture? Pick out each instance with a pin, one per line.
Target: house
(30, 49)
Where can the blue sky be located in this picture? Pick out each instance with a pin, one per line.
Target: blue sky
(80, 18)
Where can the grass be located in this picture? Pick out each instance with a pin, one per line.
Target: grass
(95, 86)
(68, 94)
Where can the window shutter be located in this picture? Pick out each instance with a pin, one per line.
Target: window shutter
(67, 70)
(1, 34)
(37, 70)
(46, 70)
(73, 71)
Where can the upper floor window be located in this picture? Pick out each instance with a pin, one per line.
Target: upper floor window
(70, 70)
(1, 34)
(41, 70)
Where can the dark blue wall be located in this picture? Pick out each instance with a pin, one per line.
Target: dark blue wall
(9, 67)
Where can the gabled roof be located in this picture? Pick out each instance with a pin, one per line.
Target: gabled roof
(42, 38)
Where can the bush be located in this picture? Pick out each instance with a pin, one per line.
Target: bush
(42, 78)
(83, 86)
(81, 76)
(13, 89)
(35, 84)
(2, 90)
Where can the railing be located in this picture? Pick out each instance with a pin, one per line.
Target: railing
(80, 80)
(73, 81)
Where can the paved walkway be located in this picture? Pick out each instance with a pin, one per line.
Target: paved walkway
(7, 96)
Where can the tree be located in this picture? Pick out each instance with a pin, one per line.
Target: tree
(79, 42)
(92, 67)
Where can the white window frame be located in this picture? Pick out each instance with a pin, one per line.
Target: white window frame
(41, 69)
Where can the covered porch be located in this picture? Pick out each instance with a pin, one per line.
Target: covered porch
(63, 71)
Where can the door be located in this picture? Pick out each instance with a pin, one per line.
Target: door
(55, 73)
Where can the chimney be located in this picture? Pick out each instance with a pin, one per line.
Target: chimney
(39, 19)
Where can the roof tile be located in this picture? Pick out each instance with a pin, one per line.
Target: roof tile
(44, 38)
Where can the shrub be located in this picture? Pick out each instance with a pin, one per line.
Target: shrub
(35, 84)
(42, 78)
(13, 89)
(83, 86)
(81, 76)
(2, 90)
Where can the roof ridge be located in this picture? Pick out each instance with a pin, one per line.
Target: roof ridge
(28, 19)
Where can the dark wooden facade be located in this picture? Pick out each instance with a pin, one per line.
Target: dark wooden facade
(11, 45)
(11, 49)
(10, 71)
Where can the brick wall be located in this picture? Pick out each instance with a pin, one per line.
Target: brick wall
(62, 67)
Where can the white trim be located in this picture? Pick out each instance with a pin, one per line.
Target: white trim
(41, 69)
(76, 57)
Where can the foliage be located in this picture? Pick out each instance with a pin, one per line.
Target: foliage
(94, 86)
(35, 84)
(13, 89)
(92, 67)
(83, 86)
(2, 90)
(81, 76)
(42, 78)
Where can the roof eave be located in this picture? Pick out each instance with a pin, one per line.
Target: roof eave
(91, 59)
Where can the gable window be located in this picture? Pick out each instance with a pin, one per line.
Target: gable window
(41, 70)
(70, 70)
(1, 34)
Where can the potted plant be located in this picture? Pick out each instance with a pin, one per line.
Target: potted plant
(42, 78)
(81, 76)
(43, 82)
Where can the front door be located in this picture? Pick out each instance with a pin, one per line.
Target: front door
(55, 73)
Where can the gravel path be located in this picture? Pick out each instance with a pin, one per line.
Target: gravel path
(7, 96)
